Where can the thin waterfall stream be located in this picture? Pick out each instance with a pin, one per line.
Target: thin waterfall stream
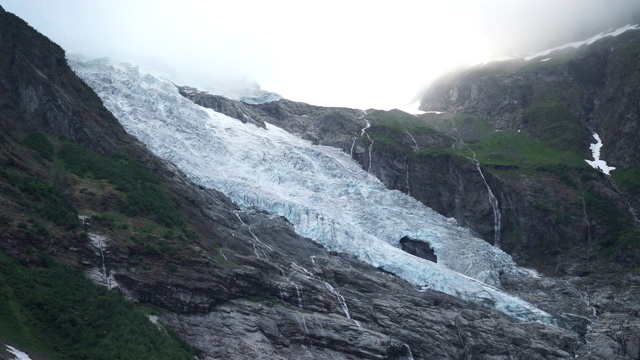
(495, 205)
(363, 133)
(100, 242)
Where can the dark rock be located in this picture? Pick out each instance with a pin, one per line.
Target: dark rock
(418, 248)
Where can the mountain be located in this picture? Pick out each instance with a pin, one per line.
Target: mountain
(535, 119)
(173, 231)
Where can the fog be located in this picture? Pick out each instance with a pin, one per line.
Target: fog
(359, 54)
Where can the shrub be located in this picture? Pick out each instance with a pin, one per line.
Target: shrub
(58, 311)
(47, 200)
(38, 142)
(144, 194)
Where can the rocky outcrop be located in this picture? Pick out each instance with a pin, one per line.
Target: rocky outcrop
(38, 90)
(337, 127)
(297, 300)
(220, 104)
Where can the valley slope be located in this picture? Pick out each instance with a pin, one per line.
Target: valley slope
(233, 282)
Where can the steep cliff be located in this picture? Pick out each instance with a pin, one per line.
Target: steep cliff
(79, 196)
(533, 122)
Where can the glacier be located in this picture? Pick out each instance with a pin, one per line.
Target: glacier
(326, 195)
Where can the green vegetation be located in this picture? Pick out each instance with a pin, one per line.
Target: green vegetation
(394, 117)
(56, 310)
(471, 127)
(625, 59)
(465, 127)
(557, 58)
(388, 127)
(628, 179)
(606, 214)
(47, 200)
(630, 237)
(631, 50)
(142, 189)
(554, 123)
(38, 142)
(521, 150)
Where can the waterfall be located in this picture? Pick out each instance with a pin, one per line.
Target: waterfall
(353, 144)
(299, 292)
(304, 325)
(415, 144)
(364, 132)
(341, 301)
(319, 325)
(496, 208)
(406, 179)
(497, 218)
(586, 221)
(99, 242)
(583, 296)
(410, 357)
(255, 248)
(630, 207)
(332, 290)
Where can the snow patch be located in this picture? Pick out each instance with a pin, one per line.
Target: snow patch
(412, 108)
(577, 44)
(19, 355)
(598, 163)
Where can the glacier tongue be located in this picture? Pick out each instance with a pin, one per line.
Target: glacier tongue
(319, 189)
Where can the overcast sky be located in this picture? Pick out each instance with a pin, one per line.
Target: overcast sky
(360, 54)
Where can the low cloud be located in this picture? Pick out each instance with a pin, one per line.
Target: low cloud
(356, 53)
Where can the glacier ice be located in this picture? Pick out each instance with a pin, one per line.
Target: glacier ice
(319, 189)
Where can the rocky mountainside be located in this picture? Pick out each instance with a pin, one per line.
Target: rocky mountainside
(520, 129)
(531, 123)
(172, 261)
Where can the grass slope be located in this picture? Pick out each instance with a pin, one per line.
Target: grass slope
(51, 308)
(54, 309)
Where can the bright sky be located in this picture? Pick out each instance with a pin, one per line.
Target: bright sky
(353, 53)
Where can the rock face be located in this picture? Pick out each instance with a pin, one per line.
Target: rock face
(39, 91)
(283, 297)
(561, 100)
(337, 127)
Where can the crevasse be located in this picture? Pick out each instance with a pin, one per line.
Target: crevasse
(322, 191)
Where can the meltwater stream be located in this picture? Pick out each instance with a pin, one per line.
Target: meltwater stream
(321, 190)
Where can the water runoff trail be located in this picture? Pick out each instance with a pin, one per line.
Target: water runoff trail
(493, 201)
